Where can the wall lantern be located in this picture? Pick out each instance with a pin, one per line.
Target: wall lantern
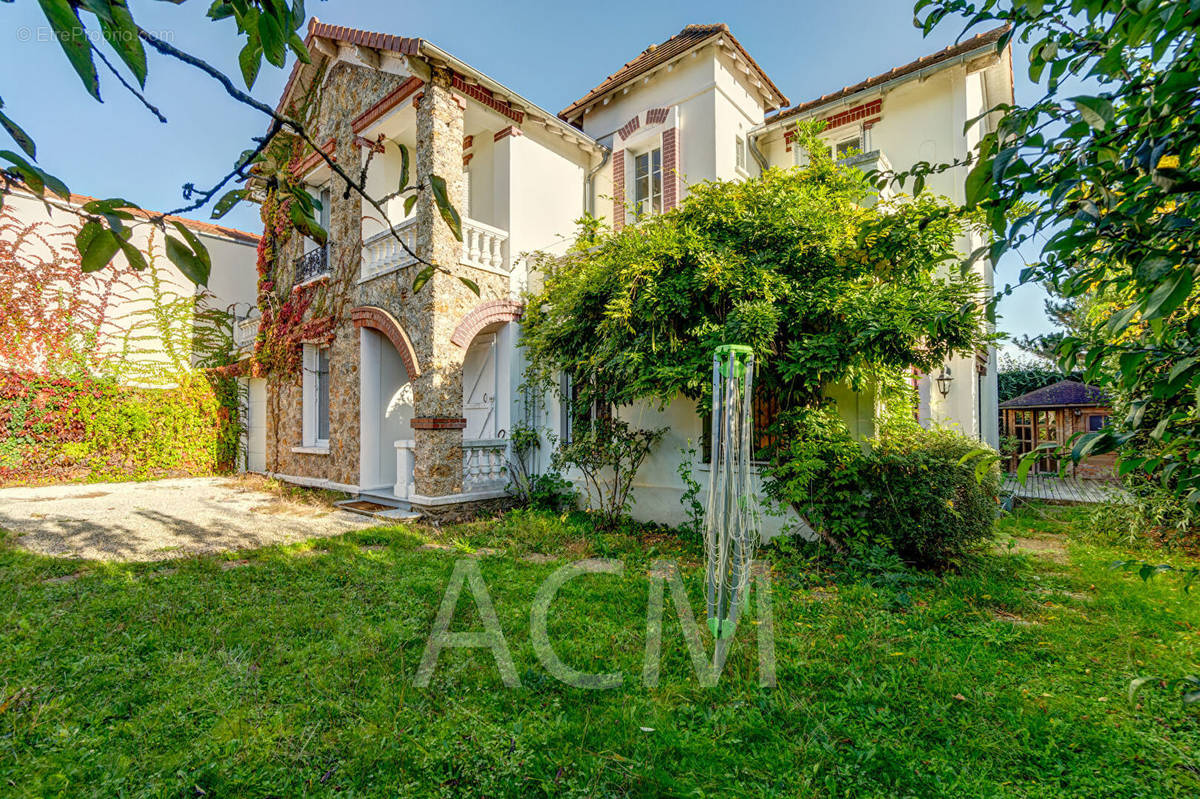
(944, 380)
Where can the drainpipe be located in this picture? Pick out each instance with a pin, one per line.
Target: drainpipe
(588, 194)
(755, 152)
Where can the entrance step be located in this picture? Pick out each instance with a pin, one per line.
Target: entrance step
(363, 507)
(380, 504)
(397, 515)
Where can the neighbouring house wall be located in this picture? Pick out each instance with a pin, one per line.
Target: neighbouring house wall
(138, 346)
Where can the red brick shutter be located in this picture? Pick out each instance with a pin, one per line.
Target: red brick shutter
(618, 193)
(670, 167)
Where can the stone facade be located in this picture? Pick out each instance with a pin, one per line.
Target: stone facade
(427, 318)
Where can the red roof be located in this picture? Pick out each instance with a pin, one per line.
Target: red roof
(195, 224)
(378, 41)
(658, 54)
(965, 46)
(340, 33)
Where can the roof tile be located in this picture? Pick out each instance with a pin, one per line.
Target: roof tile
(945, 54)
(658, 54)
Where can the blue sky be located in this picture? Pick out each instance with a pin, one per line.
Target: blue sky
(551, 52)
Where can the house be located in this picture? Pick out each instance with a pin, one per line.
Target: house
(1052, 415)
(139, 327)
(409, 397)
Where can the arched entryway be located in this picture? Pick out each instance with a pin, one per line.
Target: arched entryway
(387, 365)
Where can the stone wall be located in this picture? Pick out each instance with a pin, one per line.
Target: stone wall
(428, 317)
(347, 92)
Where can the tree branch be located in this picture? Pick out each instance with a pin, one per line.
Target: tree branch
(233, 91)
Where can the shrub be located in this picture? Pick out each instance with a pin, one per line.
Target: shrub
(84, 428)
(931, 508)
(609, 453)
(905, 491)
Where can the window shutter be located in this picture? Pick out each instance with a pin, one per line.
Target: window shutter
(618, 192)
(670, 167)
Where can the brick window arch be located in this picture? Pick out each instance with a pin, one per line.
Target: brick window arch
(377, 319)
(484, 314)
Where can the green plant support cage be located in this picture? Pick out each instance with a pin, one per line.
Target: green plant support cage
(731, 531)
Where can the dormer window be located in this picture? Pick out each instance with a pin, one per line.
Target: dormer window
(648, 182)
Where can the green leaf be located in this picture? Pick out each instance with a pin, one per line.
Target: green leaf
(228, 201)
(1181, 367)
(186, 261)
(979, 180)
(448, 212)
(96, 247)
(403, 169)
(22, 138)
(270, 33)
(307, 225)
(1096, 111)
(409, 202)
(1172, 291)
(122, 35)
(72, 36)
(421, 279)
(132, 254)
(250, 59)
(196, 244)
(300, 49)
(471, 284)
(28, 172)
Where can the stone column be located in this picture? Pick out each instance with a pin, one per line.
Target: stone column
(438, 410)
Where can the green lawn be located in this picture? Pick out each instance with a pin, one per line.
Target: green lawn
(292, 675)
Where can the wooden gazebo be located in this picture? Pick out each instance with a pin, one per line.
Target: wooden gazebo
(1052, 414)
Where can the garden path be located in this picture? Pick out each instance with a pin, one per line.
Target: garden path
(163, 519)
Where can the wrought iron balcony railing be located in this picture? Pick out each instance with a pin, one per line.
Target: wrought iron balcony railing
(312, 264)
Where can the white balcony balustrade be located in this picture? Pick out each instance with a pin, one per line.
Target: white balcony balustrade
(245, 331)
(382, 253)
(485, 464)
(483, 247)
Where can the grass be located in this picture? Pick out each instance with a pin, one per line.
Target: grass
(288, 671)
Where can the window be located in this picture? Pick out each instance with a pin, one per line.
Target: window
(647, 182)
(740, 153)
(316, 396)
(573, 415)
(326, 206)
(846, 148)
(1097, 422)
(764, 410)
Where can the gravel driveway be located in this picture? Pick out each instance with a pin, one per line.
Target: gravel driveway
(161, 519)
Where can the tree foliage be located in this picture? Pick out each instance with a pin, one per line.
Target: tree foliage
(796, 263)
(1111, 178)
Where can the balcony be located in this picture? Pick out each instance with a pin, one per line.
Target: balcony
(245, 331)
(312, 265)
(484, 247)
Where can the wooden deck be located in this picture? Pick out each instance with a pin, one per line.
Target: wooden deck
(1061, 490)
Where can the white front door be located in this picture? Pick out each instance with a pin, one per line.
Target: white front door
(480, 388)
